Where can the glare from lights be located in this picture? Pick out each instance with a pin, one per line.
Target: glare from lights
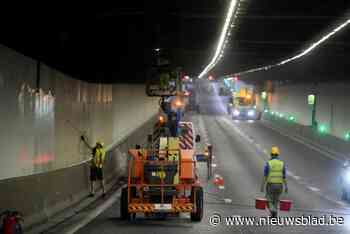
(251, 113)
(347, 136)
(322, 129)
(313, 46)
(291, 118)
(178, 103)
(223, 35)
(236, 112)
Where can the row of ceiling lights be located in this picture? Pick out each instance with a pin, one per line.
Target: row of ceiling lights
(231, 17)
(308, 50)
(229, 24)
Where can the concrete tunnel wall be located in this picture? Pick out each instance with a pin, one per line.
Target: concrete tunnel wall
(41, 153)
(332, 107)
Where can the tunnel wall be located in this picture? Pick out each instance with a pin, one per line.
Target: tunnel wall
(41, 196)
(41, 155)
(40, 131)
(331, 104)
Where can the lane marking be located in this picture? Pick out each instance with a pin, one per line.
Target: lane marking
(313, 189)
(290, 173)
(228, 200)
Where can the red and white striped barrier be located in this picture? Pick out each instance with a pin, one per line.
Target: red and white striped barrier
(187, 135)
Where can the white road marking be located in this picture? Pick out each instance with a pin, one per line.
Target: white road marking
(313, 189)
(228, 200)
(290, 173)
(341, 203)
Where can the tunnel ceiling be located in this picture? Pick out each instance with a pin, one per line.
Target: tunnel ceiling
(115, 42)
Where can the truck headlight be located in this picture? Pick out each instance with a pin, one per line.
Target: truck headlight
(347, 176)
(251, 113)
(236, 112)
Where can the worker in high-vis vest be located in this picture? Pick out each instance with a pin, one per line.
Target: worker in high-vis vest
(274, 179)
(96, 168)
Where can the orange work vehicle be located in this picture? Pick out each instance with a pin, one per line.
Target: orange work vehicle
(162, 181)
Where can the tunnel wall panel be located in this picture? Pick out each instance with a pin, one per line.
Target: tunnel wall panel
(332, 104)
(41, 155)
(41, 128)
(41, 196)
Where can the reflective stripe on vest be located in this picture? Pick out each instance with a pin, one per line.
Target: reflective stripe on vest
(275, 175)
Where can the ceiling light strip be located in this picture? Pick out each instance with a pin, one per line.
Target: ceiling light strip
(305, 52)
(219, 48)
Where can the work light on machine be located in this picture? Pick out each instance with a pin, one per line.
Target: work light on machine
(161, 119)
(178, 103)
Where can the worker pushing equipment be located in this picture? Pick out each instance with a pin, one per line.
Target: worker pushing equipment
(274, 179)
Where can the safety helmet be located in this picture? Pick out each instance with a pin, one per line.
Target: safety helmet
(99, 143)
(275, 151)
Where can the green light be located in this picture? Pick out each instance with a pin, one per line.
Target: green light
(311, 99)
(272, 113)
(266, 110)
(347, 136)
(263, 95)
(291, 118)
(281, 115)
(322, 128)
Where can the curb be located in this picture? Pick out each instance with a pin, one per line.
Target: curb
(307, 142)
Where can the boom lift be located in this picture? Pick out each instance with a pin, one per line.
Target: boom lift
(162, 177)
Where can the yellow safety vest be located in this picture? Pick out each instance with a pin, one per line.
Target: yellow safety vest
(98, 158)
(275, 175)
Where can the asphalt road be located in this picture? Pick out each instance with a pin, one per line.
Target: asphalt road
(240, 150)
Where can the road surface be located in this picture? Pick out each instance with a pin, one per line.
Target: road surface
(240, 150)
